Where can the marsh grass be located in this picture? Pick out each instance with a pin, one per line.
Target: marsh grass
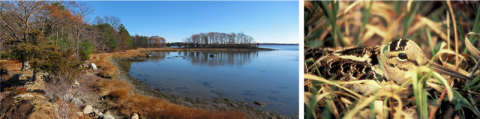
(149, 107)
(442, 29)
(122, 98)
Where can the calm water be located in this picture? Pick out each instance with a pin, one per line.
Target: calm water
(266, 76)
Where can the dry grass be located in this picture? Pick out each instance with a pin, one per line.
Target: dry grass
(149, 107)
(104, 87)
(127, 103)
(107, 69)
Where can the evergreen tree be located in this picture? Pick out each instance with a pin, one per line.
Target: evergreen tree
(43, 54)
(125, 36)
(86, 48)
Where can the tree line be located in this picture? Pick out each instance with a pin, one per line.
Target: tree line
(219, 40)
(66, 24)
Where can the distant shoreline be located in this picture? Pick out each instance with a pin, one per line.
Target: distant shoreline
(279, 44)
(213, 49)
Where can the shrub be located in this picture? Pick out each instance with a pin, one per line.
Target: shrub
(61, 62)
(109, 72)
(118, 94)
(63, 95)
(83, 55)
(87, 48)
(9, 55)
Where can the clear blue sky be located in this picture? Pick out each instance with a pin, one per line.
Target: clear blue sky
(265, 21)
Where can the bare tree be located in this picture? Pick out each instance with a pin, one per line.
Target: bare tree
(65, 93)
(80, 11)
(113, 21)
(98, 20)
(15, 17)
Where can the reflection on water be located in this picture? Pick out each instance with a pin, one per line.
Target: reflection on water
(221, 59)
(204, 59)
(266, 76)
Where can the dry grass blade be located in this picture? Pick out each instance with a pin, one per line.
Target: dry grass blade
(351, 6)
(368, 100)
(472, 49)
(392, 29)
(313, 77)
(308, 5)
(455, 32)
(446, 64)
(372, 30)
(306, 96)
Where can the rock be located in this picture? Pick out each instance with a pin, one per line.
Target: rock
(95, 111)
(100, 114)
(77, 101)
(135, 116)
(108, 116)
(213, 55)
(24, 96)
(27, 66)
(106, 112)
(77, 83)
(93, 66)
(87, 110)
(80, 114)
(258, 103)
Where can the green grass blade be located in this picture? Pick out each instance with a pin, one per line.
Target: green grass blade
(409, 18)
(471, 83)
(476, 25)
(430, 42)
(372, 110)
(365, 19)
(397, 6)
(464, 101)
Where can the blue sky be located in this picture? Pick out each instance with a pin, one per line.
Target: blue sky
(265, 21)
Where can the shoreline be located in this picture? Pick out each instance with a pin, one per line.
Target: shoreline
(216, 103)
(211, 49)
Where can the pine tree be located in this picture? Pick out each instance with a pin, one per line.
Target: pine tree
(43, 55)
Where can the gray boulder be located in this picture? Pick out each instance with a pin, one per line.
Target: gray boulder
(100, 114)
(108, 116)
(88, 109)
(95, 111)
(93, 66)
(135, 116)
(27, 66)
